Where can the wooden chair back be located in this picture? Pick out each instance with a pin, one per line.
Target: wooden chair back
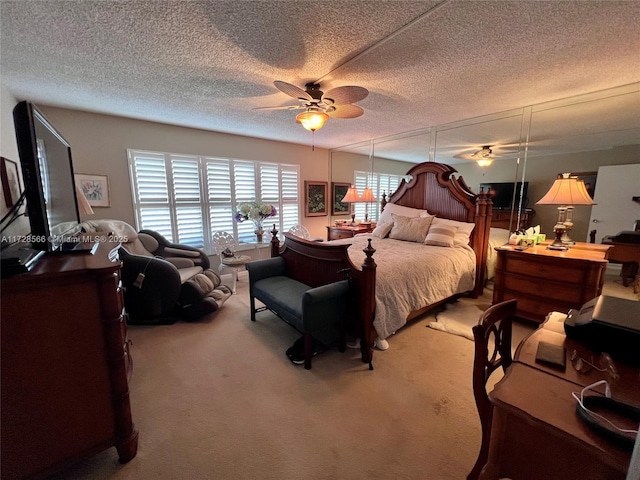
(492, 337)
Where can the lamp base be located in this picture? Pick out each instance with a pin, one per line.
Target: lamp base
(353, 220)
(557, 244)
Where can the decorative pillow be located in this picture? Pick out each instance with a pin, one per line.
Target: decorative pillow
(499, 236)
(441, 235)
(389, 208)
(410, 229)
(462, 233)
(382, 229)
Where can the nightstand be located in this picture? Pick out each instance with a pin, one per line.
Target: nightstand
(544, 280)
(336, 233)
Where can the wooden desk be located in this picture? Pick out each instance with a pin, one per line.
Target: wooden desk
(536, 433)
(543, 280)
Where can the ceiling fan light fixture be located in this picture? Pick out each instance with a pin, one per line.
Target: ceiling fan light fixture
(484, 157)
(484, 162)
(311, 120)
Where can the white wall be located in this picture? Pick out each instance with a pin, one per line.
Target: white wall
(99, 145)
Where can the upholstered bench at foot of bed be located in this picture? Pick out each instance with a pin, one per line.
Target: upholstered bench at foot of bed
(315, 312)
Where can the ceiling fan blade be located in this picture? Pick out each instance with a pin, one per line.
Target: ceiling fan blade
(292, 90)
(285, 107)
(346, 111)
(347, 94)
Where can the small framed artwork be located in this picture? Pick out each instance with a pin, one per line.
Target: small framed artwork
(589, 179)
(315, 198)
(95, 188)
(10, 181)
(339, 190)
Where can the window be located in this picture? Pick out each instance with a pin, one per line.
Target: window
(187, 197)
(378, 182)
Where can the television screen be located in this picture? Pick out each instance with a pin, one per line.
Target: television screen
(47, 171)
(502, 194)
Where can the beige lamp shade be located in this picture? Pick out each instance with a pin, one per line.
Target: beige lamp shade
(566, 190)
(83, 204)
(367, 196)
(351, 195)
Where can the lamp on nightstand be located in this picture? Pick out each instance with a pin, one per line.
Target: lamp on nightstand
(351, 197)
(367, 196)
(566, 192)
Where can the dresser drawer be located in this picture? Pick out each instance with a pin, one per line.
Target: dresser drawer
(338, 233)
(565, 271)
(546, 290)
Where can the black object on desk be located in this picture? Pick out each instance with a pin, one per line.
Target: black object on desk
(608, 324)
(18, 259)
(552, 355)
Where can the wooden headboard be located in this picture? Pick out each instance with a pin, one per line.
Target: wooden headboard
(435, 188)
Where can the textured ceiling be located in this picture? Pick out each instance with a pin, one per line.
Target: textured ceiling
(208, 64)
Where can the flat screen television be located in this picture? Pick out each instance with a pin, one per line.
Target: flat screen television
(502, 194)
(47, 171)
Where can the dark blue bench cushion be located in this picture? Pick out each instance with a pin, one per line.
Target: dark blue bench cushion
(283, 295)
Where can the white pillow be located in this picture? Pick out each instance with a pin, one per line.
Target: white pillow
(410, 229)
(382, 230)
(389, 208)
(462, 234)
(441, 235)
(499, 236)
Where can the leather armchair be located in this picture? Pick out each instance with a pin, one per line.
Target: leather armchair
(163, 281)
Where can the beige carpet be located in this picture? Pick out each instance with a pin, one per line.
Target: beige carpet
(218, 399)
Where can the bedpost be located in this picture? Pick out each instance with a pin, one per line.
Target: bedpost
(383, 201)
(484, 211)
(275, 243)
(367, 304)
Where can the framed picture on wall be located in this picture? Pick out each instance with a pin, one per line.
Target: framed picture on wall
(10, 181)
(589, 179)
(338, 191)
(95, 188)
(315, 199)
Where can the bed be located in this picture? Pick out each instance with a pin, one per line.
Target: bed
(373, 262)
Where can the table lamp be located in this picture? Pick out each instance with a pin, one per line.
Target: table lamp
(351, 197)
(367, 196)
(84, 207)
(566, 191)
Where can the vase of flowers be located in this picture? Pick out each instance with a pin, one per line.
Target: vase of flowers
(256, 212)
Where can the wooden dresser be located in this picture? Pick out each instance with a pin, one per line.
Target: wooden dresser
(65, 364)
(336, 233)
(501, 218)
(544, 280)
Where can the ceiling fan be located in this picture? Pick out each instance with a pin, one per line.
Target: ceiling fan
(484, 157)
(319, 106)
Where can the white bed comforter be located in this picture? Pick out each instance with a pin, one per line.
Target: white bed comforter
(411, 276)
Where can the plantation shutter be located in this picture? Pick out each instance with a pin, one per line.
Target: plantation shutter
(219, 196)
(186, 192)
(244, 181)
(151, 192)
(289, 210)
(186, 198)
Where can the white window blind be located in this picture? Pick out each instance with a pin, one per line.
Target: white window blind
(186, 198)
(378, 182)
